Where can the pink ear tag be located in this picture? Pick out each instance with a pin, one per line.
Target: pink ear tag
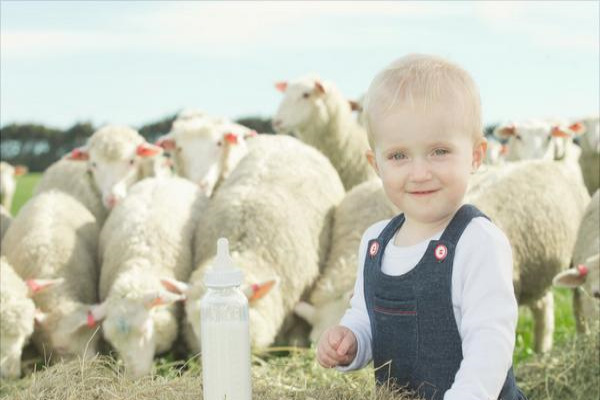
(582, 270)
(90, 320)
(440, 252)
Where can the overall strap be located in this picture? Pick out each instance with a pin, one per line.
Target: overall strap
(390, 229)
(459, 222)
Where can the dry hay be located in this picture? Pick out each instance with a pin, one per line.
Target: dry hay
(296, 376)
(570, 371)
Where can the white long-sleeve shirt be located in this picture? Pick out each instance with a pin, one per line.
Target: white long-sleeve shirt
(483, 300)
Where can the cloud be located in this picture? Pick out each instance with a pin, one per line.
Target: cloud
(232, 29)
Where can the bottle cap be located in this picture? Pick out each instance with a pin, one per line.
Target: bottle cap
(223, 273)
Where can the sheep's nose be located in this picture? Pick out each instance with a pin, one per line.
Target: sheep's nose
(597, 294)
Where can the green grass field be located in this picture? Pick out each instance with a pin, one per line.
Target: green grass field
(565, 323)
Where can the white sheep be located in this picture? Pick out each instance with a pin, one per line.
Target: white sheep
(55, 236)
(590, 153)
(585, 269)
(17, 314)
(205, 149)
(275, 209)
(148, 236)
(539, 139)
(317, 113)
(538, 204)
(5, 220)
(115, 157)
(8, 184)
(495, 152)
(74, 178)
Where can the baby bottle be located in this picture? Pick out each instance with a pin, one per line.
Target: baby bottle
(225, 335)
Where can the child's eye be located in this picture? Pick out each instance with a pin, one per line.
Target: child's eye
(397, 156)
(440, 152)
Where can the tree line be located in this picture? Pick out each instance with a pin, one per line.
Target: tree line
(38, 146)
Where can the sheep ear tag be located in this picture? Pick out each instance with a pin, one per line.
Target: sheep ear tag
(373, 248)
(440, 252)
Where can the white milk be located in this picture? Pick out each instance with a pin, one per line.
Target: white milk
(226, 360)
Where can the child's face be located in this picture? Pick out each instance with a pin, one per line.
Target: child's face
(424, 162)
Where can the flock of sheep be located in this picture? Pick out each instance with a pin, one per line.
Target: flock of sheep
(120, 231)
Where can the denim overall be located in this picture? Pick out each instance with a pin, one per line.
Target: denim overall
(416, 341)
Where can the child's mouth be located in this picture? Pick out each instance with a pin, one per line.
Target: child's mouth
(423, 192)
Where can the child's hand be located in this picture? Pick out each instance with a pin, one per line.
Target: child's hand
(337, 346)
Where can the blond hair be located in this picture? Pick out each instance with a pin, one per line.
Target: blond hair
(423, 82)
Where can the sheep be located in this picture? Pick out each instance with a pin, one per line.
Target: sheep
(275, 209)
(147, 237)
(495, 152)
(74, 178)
(320, 116)
(538, 204)
(589, 160)
(8, 183)
(114, 156)
(17, 315)
(205, 150)
(545, 139)
(5, 220)
(585, 267)
(55, 236)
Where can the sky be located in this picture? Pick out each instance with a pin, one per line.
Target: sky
(136, 62)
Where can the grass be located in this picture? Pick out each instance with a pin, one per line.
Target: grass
(25, 186)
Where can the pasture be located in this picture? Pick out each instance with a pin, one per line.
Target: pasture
(292, 373)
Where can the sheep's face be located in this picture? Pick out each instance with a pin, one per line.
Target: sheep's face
(302, 105)
(526, 141)
(114, 176)
(130, 330)
(11, 348)
(71, 336)
(204, 152)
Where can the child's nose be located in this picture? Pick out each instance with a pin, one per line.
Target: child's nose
(420, 171)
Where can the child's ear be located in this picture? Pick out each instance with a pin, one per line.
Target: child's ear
(370, 154)
(479, 153)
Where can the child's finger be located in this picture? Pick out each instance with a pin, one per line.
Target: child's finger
(334, 338)
(328, 351)
(327, 361)
(346, 344)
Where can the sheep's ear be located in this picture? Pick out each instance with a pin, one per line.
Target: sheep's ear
(37, 285)
(355, 105)
(506, 131)
(148, 150)
(174, 286)
(319, 88)
(21, 170)
(250, 134)
(161, 298)
(557, 132)
(96, 313)
(166, 143)
(571, 278)
(78, 154)
(306, 311)
(259, 290)
(577, 128)
(281, 86)
(231, 138)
